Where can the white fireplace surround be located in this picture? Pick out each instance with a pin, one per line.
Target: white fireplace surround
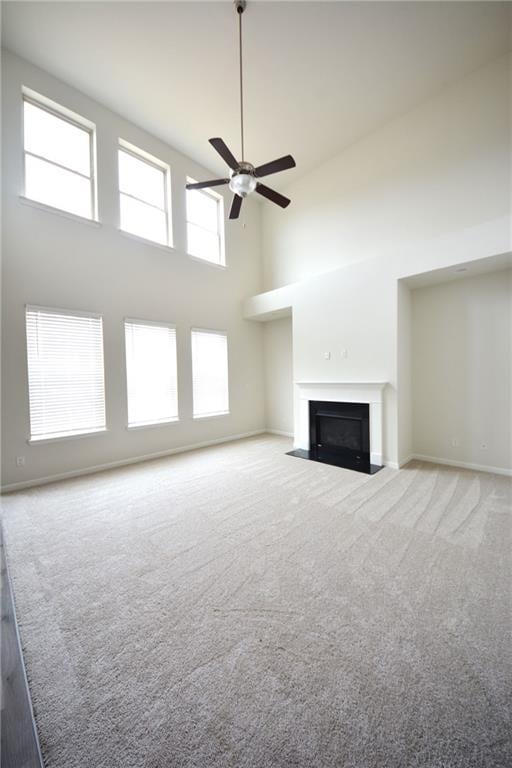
(370, 392)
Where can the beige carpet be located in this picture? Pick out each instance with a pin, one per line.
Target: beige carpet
(236, 607)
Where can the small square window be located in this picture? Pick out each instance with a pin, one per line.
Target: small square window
(58, 157)
(205, 225)
(143, 195)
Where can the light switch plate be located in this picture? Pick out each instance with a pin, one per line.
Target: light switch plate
(327, 355)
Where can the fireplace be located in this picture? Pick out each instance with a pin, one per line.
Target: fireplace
(339, 433)
(340, 423)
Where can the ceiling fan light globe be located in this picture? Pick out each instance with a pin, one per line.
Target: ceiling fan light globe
(242, 184)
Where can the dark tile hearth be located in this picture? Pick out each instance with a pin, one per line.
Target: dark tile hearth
(337, 461)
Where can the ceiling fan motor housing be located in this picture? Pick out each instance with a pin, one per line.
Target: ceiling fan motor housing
(243, 181)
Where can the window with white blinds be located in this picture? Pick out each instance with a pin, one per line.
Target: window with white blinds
(210, 373)
(151, 372)
(65, 373)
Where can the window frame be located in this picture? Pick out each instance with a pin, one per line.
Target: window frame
(211, 193)
(215, 332)
(67, 313)
(163, 422)
(165, 169)
(76, 120)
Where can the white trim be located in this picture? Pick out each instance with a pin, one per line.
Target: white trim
(59, 211)
(212, 415)
(462, 464)
(370, 392)
(63, 311)
(145, 240)
(151, 424)
(157, 323)
(126, 462)
(60, 438)
(279, 432)
(54, 108)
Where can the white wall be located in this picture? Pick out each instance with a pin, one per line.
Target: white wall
(404, 373)
(429, 190)
(461, 370)
(52, 260)
(428, 177)
(278, 366)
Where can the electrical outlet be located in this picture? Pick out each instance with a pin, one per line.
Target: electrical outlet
(20, 461)
(454, 442)
(344, 354)
(327, 355)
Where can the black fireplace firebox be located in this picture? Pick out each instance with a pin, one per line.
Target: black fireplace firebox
(339, 434)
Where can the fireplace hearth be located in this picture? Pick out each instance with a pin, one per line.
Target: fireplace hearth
(339, 434)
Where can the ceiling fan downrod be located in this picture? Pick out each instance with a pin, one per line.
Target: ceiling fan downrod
(240, 6)
(244, 176)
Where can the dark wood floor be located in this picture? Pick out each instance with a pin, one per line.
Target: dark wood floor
(19, 743)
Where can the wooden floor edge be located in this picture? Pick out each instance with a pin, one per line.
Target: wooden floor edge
(19, 740)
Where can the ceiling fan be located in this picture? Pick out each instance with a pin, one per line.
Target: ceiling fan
(243, 177)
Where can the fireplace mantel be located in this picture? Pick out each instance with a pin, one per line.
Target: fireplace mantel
(370, 392)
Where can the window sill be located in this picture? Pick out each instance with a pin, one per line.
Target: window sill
(206, 261)
(208, 416)
(146, 241)
(78, 436)
(168, 249)
(51, 209)
(151, 425)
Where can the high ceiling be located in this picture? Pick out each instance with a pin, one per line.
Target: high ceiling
(318, 76)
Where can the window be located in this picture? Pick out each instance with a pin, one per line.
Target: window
(65, 373)
(58, 157)
(143, 195)
(210, 373)
(151, 373)
(205, 225)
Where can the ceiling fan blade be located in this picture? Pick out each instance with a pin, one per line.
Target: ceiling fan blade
(235, 207)
(271, 194)
(224, 152)
(281, 164)
(204, 184)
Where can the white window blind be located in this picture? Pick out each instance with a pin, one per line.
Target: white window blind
(151, 372)
(143, 196)
(210, 373)
(59, 159)
(205, 225)
(65, 373)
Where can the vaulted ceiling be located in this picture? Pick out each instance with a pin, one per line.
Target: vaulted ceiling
(318, 76)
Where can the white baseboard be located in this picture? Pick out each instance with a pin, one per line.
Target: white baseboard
(125, 462)
(279, 432)
(462, 464)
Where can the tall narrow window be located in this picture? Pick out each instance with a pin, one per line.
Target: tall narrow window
(151, 373)
(58, 156)
(210, 373)
(143, 195)
(205, 225)
(65, 373)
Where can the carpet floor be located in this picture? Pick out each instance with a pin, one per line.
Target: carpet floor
(235, 607)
